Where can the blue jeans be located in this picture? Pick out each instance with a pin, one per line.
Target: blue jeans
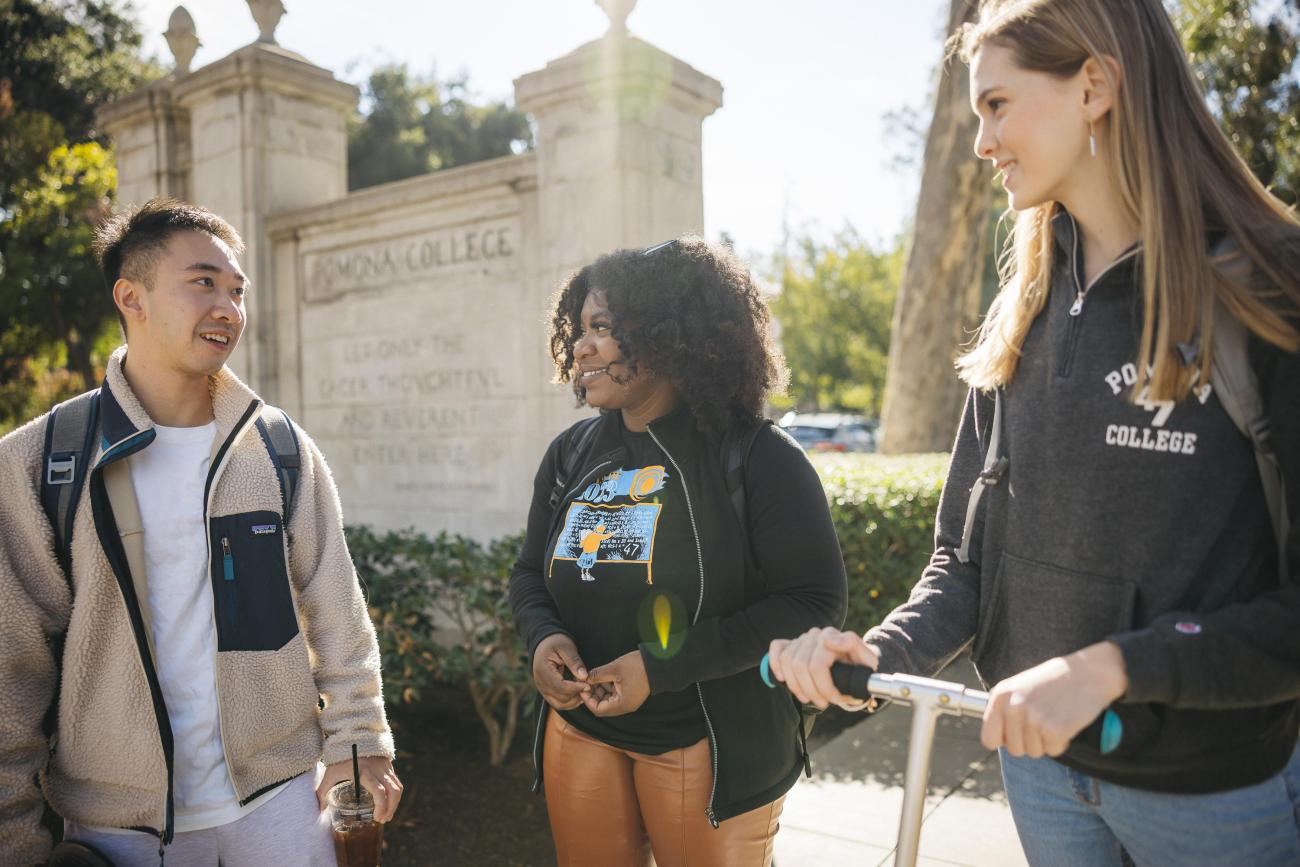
(1067, 819)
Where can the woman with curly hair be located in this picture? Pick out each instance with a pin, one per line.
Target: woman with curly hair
(651, 579)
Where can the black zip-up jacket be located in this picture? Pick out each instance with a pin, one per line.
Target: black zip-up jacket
(796, 583)
(1139, 522)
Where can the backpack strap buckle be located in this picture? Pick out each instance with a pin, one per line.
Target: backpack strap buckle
(61, 468)
(993, 475)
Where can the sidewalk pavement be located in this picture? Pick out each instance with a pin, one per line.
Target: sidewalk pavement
(848, 812)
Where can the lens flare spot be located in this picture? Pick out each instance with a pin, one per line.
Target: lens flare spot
(663, 620)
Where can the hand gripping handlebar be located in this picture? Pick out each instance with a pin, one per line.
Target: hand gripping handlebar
(930, 699)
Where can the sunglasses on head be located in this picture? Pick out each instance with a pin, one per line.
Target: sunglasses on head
(657, 247)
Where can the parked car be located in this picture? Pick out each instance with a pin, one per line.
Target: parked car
(831, 432)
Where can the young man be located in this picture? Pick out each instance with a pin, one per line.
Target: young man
(215, 645)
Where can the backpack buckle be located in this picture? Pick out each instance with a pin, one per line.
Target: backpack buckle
(994, 474)
(61, 469)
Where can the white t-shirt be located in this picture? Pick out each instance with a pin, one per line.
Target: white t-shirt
(169, 476)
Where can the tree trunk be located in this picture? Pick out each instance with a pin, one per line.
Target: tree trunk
(79, 360)
(938, 301)
(513, 695)
(483, 705)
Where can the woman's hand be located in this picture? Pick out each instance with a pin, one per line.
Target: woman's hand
(556, 653)
(618, 687)
(1038, 711)
(804, 664)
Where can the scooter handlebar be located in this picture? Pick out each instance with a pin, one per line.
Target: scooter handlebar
(860, 682)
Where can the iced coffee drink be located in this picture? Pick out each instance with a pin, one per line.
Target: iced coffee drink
(358, 838)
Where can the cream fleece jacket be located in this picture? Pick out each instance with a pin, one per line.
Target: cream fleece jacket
(297, 664)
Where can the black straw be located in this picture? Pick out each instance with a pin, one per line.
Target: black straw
(356, 775)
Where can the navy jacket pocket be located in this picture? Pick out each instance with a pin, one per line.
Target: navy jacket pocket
(250, 583)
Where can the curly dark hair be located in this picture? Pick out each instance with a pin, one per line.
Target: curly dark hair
(688, 311)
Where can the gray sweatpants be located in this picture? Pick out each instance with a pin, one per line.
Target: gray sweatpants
(286, 831)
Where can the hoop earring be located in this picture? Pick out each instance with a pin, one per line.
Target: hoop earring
(1092, 139)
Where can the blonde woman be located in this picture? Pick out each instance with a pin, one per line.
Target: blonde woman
(1126, 554)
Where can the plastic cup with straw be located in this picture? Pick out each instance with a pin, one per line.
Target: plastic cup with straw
(358, 838)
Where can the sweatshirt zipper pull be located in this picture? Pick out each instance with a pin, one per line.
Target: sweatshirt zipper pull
(711, 816)
(227, 562)
(1077, 307)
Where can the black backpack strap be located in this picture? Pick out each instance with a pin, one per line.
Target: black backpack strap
(573, 448)
(736, 445)
(281, 442)
(70, 432)
(737, 442)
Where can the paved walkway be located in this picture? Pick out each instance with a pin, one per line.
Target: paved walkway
(847, 814)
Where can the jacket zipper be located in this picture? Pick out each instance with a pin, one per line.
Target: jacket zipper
(1081, 297)
(227, 561)
(537, 743)
(699, 690)
(227, 589)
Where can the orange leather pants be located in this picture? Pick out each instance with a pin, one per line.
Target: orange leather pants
(611, 807)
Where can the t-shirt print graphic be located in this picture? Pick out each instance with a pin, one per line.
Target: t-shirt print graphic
(608, 523)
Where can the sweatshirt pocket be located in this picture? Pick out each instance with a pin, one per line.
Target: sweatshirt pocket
(250, 583)
(1035, 611)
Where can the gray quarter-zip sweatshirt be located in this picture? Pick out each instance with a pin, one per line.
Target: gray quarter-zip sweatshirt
(1142, 522)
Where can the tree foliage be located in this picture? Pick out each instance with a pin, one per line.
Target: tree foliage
(52, 294)
(59, 61)
(834, 311)
(1247, 55)
(442, 613)
(418, 124)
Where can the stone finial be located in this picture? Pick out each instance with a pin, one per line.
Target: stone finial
(617, 10)
(267, 14)
(182, 39)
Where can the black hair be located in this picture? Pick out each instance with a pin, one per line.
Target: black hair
(688, 311)
(128, 243)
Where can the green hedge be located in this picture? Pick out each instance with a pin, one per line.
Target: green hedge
(440, 609)
(884, 510)
(441, 613)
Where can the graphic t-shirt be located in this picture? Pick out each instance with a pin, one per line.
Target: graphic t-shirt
(625, 570)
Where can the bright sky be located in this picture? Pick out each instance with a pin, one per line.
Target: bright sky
(800, 136)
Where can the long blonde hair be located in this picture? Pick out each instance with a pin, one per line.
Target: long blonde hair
(1179, 178)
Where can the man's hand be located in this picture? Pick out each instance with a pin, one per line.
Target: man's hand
(618, 687)
(556, 653)
(804, 664)
(1038, 711)
(377, 777)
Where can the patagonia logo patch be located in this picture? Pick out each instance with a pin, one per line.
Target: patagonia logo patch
(1188, 627)
(265, 529)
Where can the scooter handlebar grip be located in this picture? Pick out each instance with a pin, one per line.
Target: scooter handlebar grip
(1106, 732)
(852, 680)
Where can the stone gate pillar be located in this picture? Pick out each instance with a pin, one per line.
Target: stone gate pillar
(258, 132)
(619, 126)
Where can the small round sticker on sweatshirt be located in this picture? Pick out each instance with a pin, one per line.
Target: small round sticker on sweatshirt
(1187, 627)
